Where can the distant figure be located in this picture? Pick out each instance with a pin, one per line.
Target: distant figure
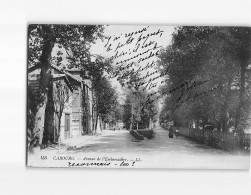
(177, 133)
(170, 134)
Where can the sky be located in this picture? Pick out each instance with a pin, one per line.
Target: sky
(116, 30)
(162, 39)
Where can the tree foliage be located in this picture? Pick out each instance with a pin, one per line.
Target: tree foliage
(42, 39)
(76, 39)
(209, 76)
(139, 110)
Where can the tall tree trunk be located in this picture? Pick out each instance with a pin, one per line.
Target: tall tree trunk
(131, 125)
(93, 113)
(85, 110)
(224, 109)
(59, 131)
(198, 122)
(241, 96)
(39, 119)
(101, 124)
(96, 123)
(49, 128)
(45, 77)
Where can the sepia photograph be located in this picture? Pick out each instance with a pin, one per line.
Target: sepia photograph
(138, 96)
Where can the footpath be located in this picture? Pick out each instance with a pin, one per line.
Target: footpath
(88, 139)
(78, 142)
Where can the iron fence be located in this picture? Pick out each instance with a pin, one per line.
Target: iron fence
(218, 139)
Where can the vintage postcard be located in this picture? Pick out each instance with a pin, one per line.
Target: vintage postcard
(138, 96)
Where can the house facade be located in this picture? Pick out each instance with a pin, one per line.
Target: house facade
(72, 100)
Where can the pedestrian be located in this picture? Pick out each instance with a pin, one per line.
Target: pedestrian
(170, 134)
(177, 133)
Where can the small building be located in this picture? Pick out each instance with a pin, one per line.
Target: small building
(72, 100)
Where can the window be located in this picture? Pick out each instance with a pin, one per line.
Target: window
(67, 122)
(75, 116)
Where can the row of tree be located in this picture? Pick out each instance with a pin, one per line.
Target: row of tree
(209, 77)
(139, 110)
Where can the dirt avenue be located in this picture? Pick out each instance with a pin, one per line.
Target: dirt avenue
(119, 147)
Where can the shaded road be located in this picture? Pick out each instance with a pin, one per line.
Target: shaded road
(123, 142)
(159, 152)
(163, 152)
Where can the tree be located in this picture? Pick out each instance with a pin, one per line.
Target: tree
(206, 71)
(105, 99)
(139, 109)
(63, 97)
(33, 101)
(240, 47)
(42, 39)
(114, 115)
